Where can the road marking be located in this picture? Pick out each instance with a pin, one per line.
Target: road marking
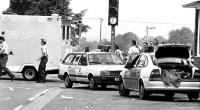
(27, 88)
(39, 94)
(41, 101)
(66, 97)
(18, 108)
(11, 89)
(8, 98)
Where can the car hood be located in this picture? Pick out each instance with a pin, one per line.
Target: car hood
(107, 67)
(177, 51)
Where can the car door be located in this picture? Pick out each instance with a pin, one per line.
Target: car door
(66, 63)
(128, 75)
(141, 63)
(73, 68)
(83, 69)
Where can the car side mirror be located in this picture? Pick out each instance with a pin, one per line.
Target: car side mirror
(128, 65)
(11, 52)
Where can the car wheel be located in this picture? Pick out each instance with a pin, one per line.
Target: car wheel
(103, 86)
(143, 94)
(193, 96)
(122, 90)
(29, 74)
(169, 95)
(92, 83)
(68, 83)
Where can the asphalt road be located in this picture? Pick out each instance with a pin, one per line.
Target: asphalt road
(52, 95)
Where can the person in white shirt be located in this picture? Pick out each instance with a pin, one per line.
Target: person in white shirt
(43, 61)
(133, 51)
(4, 58)
(118, 52)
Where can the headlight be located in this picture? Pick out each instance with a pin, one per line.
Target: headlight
(105, 73)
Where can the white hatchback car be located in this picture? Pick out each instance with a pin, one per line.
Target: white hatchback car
(93, 68)
(168, 71)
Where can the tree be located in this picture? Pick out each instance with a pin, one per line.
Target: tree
(47, 8)
(161, 39)
(124, 41)
(84, 43)
(183, 35)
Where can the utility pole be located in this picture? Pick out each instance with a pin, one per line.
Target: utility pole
(113, 38)
(79, 33)
(147, 31)
(101, 20)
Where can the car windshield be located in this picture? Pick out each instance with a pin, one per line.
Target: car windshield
(105, 59)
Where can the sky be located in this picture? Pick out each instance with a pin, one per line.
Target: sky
(134, 16)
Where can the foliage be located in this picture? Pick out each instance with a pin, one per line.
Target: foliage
(161, 39)
(105, 42)
(47, 8)
(84, 43)
(183, 35)
(124, 41)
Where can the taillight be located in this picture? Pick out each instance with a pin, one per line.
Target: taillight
(196, 74)
(155, 75)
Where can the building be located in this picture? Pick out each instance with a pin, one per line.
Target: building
(196, 52)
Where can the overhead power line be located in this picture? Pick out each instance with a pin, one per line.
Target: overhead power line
(133, 21)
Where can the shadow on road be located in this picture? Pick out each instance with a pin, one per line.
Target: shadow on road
(21, 79)
(162, 98)
(85, 87)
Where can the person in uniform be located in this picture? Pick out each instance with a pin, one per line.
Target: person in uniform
(4, 58)
(43, 61)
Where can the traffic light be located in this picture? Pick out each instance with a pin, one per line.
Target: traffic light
(113, 12)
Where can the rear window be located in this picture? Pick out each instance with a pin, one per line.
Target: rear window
(172, 51)
(104, 58)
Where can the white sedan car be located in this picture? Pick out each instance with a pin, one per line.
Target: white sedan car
(93, 68)
(168, 71)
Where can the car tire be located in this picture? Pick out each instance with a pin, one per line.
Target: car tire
(122, 90)
(193, 96)
(68, 83)
(143, 94)
(169, 95)
(92, 83)
(29, 74)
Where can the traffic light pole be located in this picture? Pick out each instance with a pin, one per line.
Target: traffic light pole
(113, 38)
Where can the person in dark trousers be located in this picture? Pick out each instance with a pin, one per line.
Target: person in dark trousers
(4, 58)
(43, 61)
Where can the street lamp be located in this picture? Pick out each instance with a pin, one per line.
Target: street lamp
(147, 30)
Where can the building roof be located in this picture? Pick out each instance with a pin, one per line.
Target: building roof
(195, 4)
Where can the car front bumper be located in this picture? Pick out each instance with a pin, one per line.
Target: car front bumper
(108, 80)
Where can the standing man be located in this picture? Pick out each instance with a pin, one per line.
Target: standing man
(4, 58)
(133, 51)
(118, 52)
(43, 61)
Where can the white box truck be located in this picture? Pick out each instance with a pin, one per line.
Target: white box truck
(23, 35)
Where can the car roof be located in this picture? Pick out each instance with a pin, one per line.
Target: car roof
(89, 52)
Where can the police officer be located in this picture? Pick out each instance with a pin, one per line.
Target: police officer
(43, 61)
(4, 58)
